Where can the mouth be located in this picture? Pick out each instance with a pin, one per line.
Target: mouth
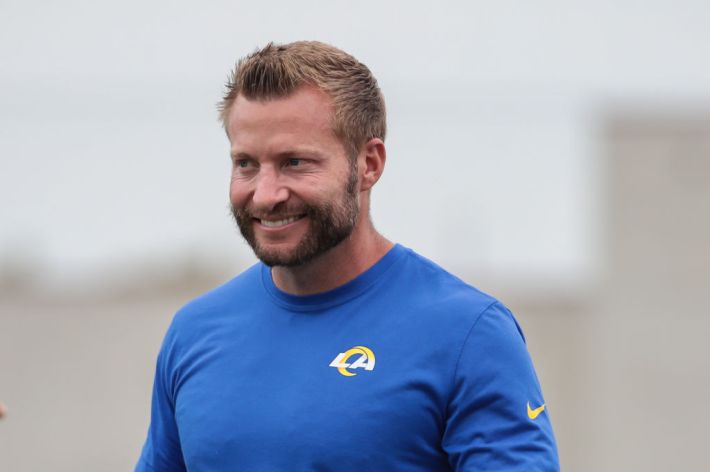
(280, 222)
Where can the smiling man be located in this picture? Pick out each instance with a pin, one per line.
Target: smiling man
(339, 351)
(296, 193)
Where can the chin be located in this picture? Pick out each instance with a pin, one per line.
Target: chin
(297, 256)
(273, 257)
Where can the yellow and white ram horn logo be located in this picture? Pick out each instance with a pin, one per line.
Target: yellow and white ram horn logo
(365, 361)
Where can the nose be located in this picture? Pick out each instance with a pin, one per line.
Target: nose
(269, 191)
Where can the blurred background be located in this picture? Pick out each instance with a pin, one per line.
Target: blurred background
(553, 153)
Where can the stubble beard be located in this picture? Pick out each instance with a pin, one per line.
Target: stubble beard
(330, 223)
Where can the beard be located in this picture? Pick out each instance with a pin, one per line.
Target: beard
(330, 223)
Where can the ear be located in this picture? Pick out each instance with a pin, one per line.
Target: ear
(372, 160)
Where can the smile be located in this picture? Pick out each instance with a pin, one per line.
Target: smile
(279, 223)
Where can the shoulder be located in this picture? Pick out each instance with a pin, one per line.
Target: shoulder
(221, 301)
(439, 292)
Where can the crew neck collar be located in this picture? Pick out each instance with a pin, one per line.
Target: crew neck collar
(336, 296)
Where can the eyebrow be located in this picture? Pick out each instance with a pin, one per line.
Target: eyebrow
(240, 155)
(307, 152)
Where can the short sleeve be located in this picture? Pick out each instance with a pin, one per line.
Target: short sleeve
(162, 451)
(496, 417)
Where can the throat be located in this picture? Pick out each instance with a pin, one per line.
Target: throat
(332, 269)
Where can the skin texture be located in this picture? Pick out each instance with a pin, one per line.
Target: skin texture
(287, 162)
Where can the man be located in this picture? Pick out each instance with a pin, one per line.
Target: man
(340, 351)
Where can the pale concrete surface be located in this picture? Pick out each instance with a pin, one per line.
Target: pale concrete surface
(76, 379)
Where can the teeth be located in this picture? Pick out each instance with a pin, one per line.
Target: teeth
(277, 223)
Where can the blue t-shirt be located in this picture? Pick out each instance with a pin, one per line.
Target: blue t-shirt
(405, 368)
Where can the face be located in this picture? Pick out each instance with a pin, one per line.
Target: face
(293, 189)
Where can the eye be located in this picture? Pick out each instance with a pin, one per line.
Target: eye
(242, 163)
(294, 162)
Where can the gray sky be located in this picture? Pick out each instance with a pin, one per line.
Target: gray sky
(110, 150)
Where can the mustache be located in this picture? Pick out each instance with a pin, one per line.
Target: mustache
(278, 212)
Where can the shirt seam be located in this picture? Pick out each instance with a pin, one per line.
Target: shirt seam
(145, 462)
(460, 355)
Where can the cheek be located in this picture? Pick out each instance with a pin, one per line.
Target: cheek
(238, 193)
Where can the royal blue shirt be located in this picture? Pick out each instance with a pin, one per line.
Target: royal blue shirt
(405, 368)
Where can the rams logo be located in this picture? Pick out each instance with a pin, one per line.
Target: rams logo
(365, 361)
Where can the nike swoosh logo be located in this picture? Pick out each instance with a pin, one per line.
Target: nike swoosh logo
(532, 414)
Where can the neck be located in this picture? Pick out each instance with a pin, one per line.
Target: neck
(360, 251)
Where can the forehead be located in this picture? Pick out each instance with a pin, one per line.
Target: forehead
(306, 110)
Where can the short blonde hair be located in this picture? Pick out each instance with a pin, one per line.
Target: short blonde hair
(277, 70)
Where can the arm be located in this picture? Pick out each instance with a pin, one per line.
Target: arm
(489, 425)
(162, 451)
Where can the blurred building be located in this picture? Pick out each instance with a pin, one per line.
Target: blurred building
(625, 364)
(655, 361)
